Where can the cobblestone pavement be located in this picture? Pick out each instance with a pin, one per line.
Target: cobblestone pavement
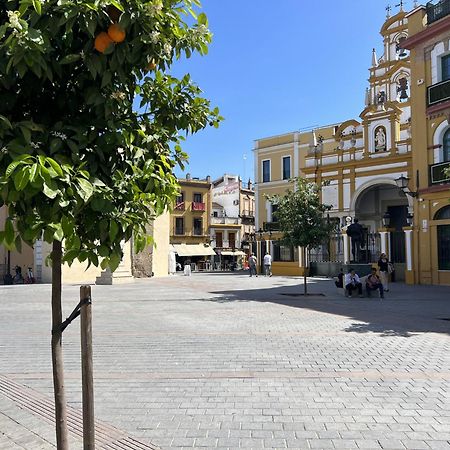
(228, 361)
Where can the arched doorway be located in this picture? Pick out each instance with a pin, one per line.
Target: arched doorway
(370, 205)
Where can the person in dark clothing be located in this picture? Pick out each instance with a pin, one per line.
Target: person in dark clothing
(356, 233)
(340, 279)
(383, 266)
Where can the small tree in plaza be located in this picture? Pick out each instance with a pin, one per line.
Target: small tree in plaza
(301, 217)
(91, 124)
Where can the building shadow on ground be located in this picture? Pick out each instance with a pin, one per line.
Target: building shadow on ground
(406, 310)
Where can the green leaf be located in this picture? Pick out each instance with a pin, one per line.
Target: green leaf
(6, 121)
(22, 178)
(113, 230)
(33, 171)
(37, 6)
(50, 192)
(69, 59)
(202, 19)
(12, 167)
(9, 232)
(114, 261)
(86, 189)
(59, 233)
(55, 166)
(67, 226)
(116, 4)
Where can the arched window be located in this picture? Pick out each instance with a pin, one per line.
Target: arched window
(446, 146)
(443, 239)
(443, 213)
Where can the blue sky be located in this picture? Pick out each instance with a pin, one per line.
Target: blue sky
(279, 66)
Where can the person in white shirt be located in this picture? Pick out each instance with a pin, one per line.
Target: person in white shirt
(352, 282)
(252, 265)
(268, 265)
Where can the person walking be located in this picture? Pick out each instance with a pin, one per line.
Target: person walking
(352, 282)
(268, 264)
(383, 266)
(252, 265)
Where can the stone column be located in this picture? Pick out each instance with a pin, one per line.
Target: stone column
(409, 273)
(347, 255)
(385, 238)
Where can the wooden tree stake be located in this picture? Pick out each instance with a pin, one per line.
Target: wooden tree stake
(87, 368)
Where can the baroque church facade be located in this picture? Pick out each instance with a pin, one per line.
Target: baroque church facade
(360, 164)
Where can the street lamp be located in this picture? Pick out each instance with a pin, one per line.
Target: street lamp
(402, 183)
(386, 219)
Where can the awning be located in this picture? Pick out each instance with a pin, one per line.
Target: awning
(235, 253)
(193, 250)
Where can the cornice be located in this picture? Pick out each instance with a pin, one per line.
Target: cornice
(428, 33)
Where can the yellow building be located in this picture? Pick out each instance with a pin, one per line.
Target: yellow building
(190, 222)
(428, 41)
(153, 261)
(360, 159)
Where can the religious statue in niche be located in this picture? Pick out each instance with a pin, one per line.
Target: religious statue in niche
(380, 139)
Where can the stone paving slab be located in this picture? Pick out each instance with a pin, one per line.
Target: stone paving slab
(226, 361)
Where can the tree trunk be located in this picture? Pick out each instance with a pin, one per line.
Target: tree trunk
(57, 355)
(305, 287)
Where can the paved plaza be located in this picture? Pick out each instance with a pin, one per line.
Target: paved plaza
(228, 361)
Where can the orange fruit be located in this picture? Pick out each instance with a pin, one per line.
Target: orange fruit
(116, 33)
(151, 65)
(102, 42)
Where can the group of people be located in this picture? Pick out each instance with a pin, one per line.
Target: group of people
(374, 282)
(253, 262)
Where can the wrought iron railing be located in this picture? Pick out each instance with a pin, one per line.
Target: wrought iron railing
(245, 214)
(437, 11)
(331, 251)
(438, 173)
(271, 226)
(438, 93)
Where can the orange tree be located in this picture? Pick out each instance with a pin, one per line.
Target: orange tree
(91, 123)
(302, 218)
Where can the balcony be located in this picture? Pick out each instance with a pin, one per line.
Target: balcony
(437, 173)
(198, 206)
(271, 226)
(180, 206)
(224, 220)
(437, 11)
(248, 215)
(439, 92)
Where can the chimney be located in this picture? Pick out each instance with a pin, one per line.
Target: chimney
(208, 178)
(250, 185)
(188, 177)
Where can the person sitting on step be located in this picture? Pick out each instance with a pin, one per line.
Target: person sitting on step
(352, 283)
(373, 283)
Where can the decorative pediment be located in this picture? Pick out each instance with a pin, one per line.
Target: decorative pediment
(393, 23)
(345, 127)
(386, 109)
